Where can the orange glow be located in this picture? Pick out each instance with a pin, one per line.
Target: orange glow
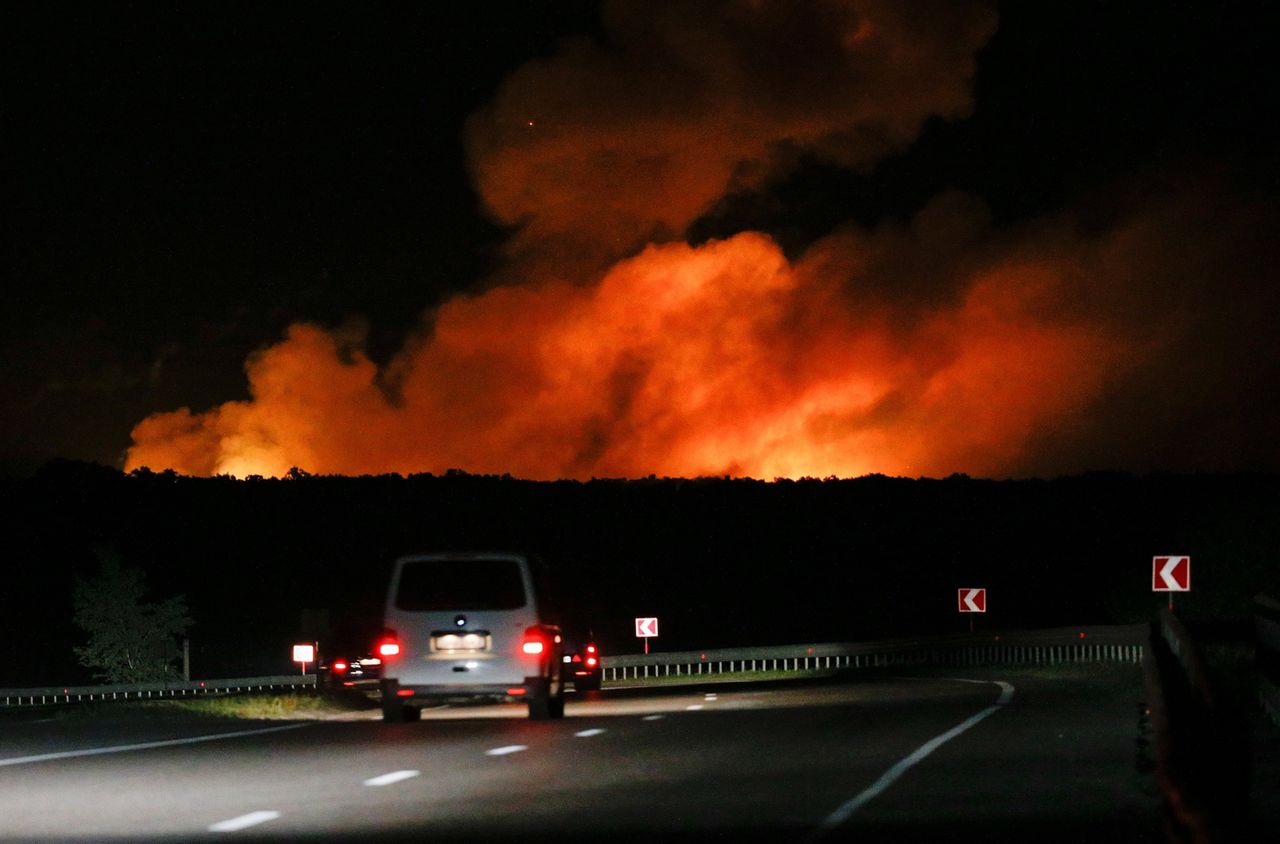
(724, 359)
(606, 346)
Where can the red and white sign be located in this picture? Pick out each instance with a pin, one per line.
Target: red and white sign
(304, 653)
(646, 628)
(1171, 574)
(973, 600)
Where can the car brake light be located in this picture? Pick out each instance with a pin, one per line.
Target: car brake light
(535, 641)
(389, 644)
(591, 649)
(591, 660)
(339, 666)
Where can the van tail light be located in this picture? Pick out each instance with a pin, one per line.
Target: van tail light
(388, 644)
(535, 642)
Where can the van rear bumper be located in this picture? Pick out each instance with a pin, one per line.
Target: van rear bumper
(413, 693)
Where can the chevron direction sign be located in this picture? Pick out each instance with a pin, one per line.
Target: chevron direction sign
(973, 600)
(646, 627)
(1171, 574)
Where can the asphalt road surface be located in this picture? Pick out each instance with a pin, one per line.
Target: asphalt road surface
(1005, 756)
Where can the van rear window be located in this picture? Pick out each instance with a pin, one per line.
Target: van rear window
(460, 585)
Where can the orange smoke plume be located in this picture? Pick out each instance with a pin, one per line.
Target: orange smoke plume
(682, 361)
(616, 350)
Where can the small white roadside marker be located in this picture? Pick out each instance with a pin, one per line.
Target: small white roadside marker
(388, 779)
(588, 733)
(653, 718)
(506, 749)
(244, 821)
(694, 707)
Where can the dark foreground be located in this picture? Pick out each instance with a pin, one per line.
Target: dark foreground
(772, 761)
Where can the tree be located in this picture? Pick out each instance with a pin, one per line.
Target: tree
(129, 641)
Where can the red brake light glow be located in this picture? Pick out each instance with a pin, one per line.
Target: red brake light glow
(591, 649)
(389, 644)
(535, 641)
(591, 660)
(517, 692)
(339, 666)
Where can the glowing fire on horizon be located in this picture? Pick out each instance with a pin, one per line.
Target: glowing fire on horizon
(607, 346)
(682, 361)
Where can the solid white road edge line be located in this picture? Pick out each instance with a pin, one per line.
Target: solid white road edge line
(850, 807)
(503, 751)
(124, 748)
(693, 707)
(243, 822)
(388, 779)
(595, 731)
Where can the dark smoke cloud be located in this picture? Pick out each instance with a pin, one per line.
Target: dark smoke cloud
(608, 146)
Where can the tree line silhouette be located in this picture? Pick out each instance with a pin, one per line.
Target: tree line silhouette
(721, 562)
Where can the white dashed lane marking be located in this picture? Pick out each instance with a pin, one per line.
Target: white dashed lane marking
(388, 779)
(588, 733)
(653, 718)
(506, 750)
(693, 707)
(244, 821)
(146, 745)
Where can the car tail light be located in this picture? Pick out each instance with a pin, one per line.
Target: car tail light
(591, 649)
(591, 661)
(388, 644)
(340, 666)
(535, 642)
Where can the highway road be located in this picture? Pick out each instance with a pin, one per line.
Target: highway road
(1003, 754)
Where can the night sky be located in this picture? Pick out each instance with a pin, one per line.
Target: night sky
(1032, 239)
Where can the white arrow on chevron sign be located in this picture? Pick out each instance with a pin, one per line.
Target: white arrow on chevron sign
(973, 600)
(1171, 574)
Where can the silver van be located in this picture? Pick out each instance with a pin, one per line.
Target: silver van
(469, 626)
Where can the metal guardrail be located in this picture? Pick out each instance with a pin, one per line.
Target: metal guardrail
(1026, 647)
(1266, 621)
(146, 691)
(1029, 647)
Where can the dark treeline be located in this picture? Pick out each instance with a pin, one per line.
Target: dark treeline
(720, 562)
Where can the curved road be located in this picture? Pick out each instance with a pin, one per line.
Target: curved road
(1010, 757)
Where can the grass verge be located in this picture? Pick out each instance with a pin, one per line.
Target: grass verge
(268, 707)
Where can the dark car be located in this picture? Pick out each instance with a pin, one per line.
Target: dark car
(351, 672)
(582, 663)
